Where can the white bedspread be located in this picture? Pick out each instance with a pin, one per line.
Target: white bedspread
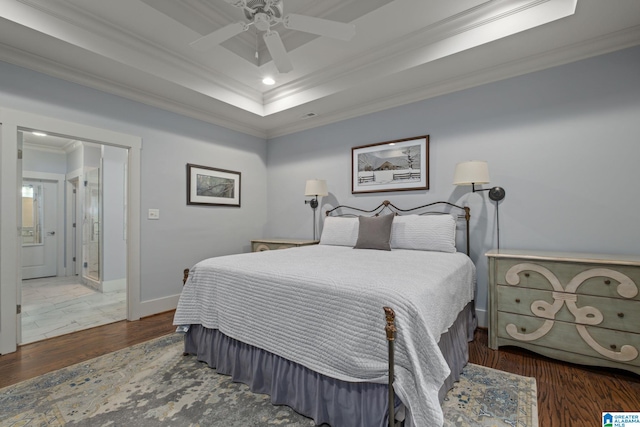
(321, 306)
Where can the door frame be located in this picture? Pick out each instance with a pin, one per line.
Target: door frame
(60, 179)
(10, 122)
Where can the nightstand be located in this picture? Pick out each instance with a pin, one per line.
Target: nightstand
(581, 308)
(260, 245)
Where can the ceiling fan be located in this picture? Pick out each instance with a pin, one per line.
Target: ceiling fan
(263, 15)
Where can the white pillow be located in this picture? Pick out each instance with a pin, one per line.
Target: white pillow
(340, 231)
(424, 233)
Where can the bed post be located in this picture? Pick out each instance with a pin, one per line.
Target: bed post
(391, 336)
(467, 217)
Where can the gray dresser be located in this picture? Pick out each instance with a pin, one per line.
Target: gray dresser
(581, 308)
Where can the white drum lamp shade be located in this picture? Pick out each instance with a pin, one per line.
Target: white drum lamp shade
(471, 172)
(316, 187)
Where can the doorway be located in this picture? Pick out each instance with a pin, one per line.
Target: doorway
(11, 121)
(86, 288)
(39, 228)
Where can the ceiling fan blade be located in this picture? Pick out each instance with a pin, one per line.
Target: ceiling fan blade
(225, 33)
(278, 52)
(321, 27)
(237, 3)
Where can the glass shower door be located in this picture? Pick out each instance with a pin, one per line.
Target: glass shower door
(92, 226)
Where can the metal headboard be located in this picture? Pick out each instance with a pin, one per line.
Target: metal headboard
(393, 209)
(390, 315)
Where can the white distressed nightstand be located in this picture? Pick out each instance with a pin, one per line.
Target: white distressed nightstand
(259, 245)
(581, 308)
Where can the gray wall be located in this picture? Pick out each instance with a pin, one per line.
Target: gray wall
(44, 161)
(184, 234)
(74, 159)
(114, 244)
(563, 143)
(91, 157)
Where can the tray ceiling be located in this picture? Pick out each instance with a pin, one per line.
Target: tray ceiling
(404, 51)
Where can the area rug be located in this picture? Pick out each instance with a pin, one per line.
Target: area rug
(152, 384)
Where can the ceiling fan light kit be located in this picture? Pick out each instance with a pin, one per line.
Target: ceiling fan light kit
(264, 14)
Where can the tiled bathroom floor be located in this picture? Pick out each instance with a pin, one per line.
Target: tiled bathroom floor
(55, 306)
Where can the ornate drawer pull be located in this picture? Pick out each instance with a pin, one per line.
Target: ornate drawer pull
(517, 300)
(607, 282)
(621, 315)
(613, 346)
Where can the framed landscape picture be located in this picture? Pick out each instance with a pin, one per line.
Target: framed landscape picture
(398, 165)
(211, 186)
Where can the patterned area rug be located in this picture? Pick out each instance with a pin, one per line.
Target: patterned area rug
(152, 384)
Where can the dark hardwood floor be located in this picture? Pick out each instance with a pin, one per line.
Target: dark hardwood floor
(568, 395)
(41, 357)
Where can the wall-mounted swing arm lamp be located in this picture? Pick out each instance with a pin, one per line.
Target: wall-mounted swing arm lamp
(476, 172)
(315, 188)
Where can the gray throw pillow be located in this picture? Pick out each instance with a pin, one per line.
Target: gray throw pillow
(374, 232)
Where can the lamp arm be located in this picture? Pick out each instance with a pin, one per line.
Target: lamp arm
(314, 205)
(313, 202)
(495, 193)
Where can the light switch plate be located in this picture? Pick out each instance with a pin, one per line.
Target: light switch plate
(154, 214)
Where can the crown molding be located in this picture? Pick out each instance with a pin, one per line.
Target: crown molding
(136, 46)
(61, 71)
(224, 116)
(415, 49)
(43, 147)
(567, 54)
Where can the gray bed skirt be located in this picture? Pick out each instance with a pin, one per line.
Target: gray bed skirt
(324, 399)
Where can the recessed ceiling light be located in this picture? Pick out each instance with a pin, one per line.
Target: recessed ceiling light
(268, 81)
(39, 133)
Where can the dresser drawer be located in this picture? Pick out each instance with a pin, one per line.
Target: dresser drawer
(608, 313)
(270, 246)
(591, 279)
(578, 307)
(616, 346)
(259, 245)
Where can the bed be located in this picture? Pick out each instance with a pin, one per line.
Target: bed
(305, 325)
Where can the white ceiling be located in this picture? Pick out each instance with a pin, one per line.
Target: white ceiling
(404, 51)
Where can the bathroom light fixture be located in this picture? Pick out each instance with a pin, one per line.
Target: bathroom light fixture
(315, 188)
(268, 81)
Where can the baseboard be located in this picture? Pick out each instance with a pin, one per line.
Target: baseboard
(160, 305)
(90, 283)
(114, 285)
(482, 318)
